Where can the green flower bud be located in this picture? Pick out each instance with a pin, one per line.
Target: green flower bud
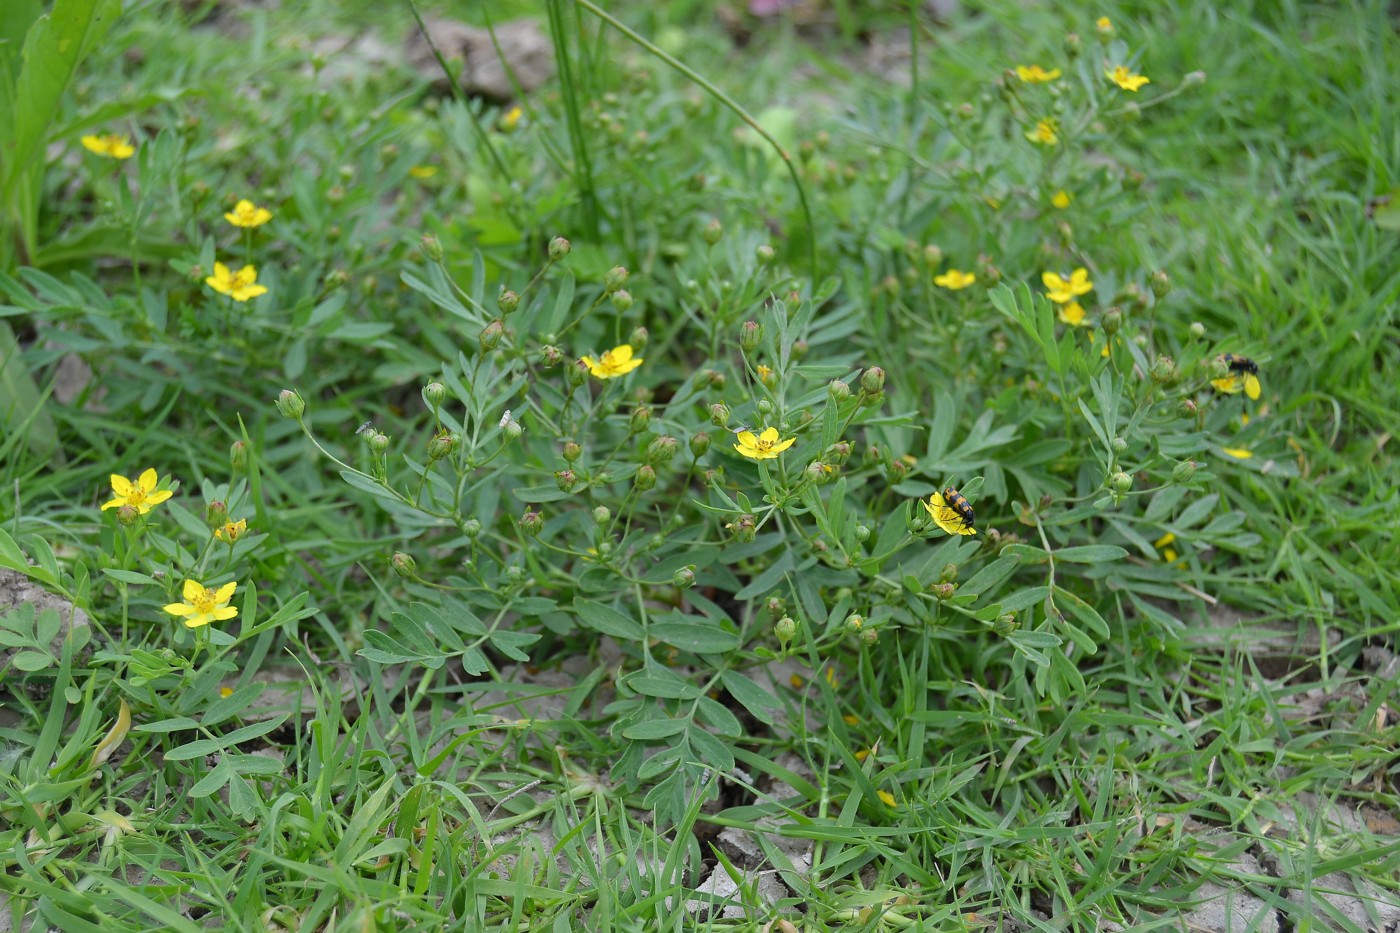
(1184, 471)
(404, 565)
(750, 333)
(566, 480)
(216, 514)
(638, 339)
(1161, 284)
(662, 449)
(490, 336)
(764, 254)
(838, 453)
(944, 591)
(1113, 320)
(838, 390)
(1186, 408)
(933, 256)
(1005, 624)
(1072, 45)
(764, 407)
(336, 278)
(622, 301)
(869, 636)
(511, 428)
(1198, 330)
(577, 373)
(1121, 482)
(431, 247)
(699, 444)
(640, 418)
(684, 578)
(818, 472)
(949, 574)
(515, 574)
(442, 445)
(378, 442)
(854, 622)
(290, 404)
(128, 515)
(558, 248)
(862, 533)
(719, 414)
(508, 301)
(744, 528)
(433, 394)
(471, 528)
(601, 515)
(645, 478)
(1219, 369)
(615, 278)
(799, 349)
(551, 356)
(785, 629)
(238, 455)
(872, 381)
(714, 379)
(775, 607)
(531, 522)
(1163, 370)
(1119, 446)
(572, 451)
(1193, 78)
(712, 233)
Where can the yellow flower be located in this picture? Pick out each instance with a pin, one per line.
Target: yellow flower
(1063, 290)
(231, 531)
(954, 279)
(111, 145)
(225, 692)
(615, 362)
(1103, 351)
(1060, 199)
(1104, 25)
(947, 517)
(863, 754)
(247, 214)
(887, 797)
(511, 119)
(240, 285)
(1239, 453)
(1237, 382)
(1121, 76)
(1164, 544)
(1071, 314)
(203, 605)
(765, 446)
(1034, 74)
(140, 495)
(422, 172)
(765, 375)
(1046, 132)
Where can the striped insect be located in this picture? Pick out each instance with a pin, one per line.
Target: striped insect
(951, 511)
(1243, 376)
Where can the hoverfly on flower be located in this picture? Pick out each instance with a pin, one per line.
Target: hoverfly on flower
(1244, 376)
(952, 512)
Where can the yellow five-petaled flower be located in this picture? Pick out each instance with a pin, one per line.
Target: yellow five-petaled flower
(613, 363)
(954, 279)
(1034, 74)
(1122, 76)
(511, 119)
(947, 517)
(203, 605)
(1046, 132)
(140, 495)
(110, 145)
(1063, 290)
(247, 214)
(765, 446)
(240, 285)
(231, 531)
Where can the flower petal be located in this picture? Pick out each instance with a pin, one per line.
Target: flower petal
(196, 621)
(114, 504)
(1251, 386)
(779, 448)
(622, 353)
(122, 486)
(147, 480)
(748, 439)
(193, 590)
(1239, 453)
(224, 614)
(156, 498)
(179, 609)
(1053, 281)
(224, 593)
(769, 436)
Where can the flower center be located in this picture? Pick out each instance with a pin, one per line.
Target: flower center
(205, 602)
(136, 496)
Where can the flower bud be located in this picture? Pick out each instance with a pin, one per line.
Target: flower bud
(377, 441)
(601, 515)
(1219, 369)
(1005, 624)
(216, 513)
(238, 455)
(862, 533)
(1187, 408)
(622, 301)
(471, 528)
(336, 278)
(128, 515)
(490, 336)
(577, 373)
(817, 472)
(943, 591)
(404, 565)
(699, 444)
(442, 445)
(949, 574)
(640, 418)
(1192, 78)
(785, 629)
(684, 578)
(638, 339)
(1161, 284)
(433, 394)
(572, 451)
(838, 453)
(719, 414)
(515, 574)
(531, 522)
(290, 404)
(645, 478)
(1198, 330)
(712, 232)
(566, 480)
(838, 391)
(558, 248)
(896, 472)
(1120, 482)
(662, 449)
(512, 429)
(744, 528)
(1119, 446)
(764, 254)
(431, 247)
(1113, 320)
(854, 622)
(872, 381)
(1072, 45)
(749, 335)
(1163, 370)
(508, 301)
(1184, 471)
(551, 356)
(615, 278)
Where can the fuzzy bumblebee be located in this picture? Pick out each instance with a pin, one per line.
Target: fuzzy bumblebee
(952, 512)
(1244, 376)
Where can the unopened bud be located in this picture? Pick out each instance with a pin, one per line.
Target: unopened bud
(558, 248)
(512, 429)
(818, 472)
(577, 373)
(799, 349)
(508, 301)
(622, 301)
(128, 515)
(785, 629)
(1005, 624)
(404, 565)
(855, 622)
(216, 513)
(699, 444)
(764, 254)
(749, 335)
(490, 336)
(640, 418)
(1161, 284)
(1198, 330)
(943, 591)
(838, 453)
(744, 528)
(897, 472)
(714, 379)
(873, 380)
(442, 445)
(949, 574)
(719, 414)
(933, 256)
(1113, 320)
(1072, 45)
(638, 339)
(838, 390)
(471, 528)
(862, 533)
(615, 278)
(1121, 482)
(1187, 408)
(378, 442)
(1184, 471)
(433, 394)
(601, 515)
(551, 356)
(712, 232)
(531, 522)
(572, 451)
(566, 480)
(238, 455)
(661, 449)
(290, 404)
(1119, 446)
(645, 478)
(684, 578)
(1192, 78)
(1163, 370)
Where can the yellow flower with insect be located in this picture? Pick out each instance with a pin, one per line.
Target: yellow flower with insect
(1243, 376)
(1239, 453)
(1071, 314)
(1034, 74)
(231, 531)
(1062, 290)
(247, 214)
(511, 119)
(613, 363)
(140, 495)
(422, 172)
(1123, 76)
(202, 605)
(1046, 132)
(955, 517)
(109, 145)
(954, 279)
(1060, 199)
(765, 446)
(1164, 544)
(240, 285)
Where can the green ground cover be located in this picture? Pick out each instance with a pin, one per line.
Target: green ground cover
(546, 524)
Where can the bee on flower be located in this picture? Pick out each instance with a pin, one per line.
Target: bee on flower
(951, 511)
(1243, 377)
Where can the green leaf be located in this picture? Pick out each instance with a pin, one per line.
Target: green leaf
(1091, 554)
(751, 696)
(696, 637)
(607, 620)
